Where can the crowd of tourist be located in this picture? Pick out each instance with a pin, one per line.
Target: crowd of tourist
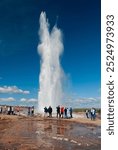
(31, 111)
(91, 113)
(16, 110)
(7, 110)
(61, 112)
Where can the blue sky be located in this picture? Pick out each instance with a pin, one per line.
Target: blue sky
(80, 23)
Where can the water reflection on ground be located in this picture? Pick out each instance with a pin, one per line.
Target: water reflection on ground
(49, 134)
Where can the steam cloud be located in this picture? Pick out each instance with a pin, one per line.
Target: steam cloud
(50, 49)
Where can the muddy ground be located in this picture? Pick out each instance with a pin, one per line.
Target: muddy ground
(37, 133)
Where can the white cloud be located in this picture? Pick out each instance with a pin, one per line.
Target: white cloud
(33, 100)
(23, 100)
(12, 89)
(30, 100)
(83, 102)
(9, 99)
(92, 99)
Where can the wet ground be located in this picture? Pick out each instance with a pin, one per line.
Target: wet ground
(48, 134)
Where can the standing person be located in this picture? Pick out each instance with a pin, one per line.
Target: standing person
(45, 111)
(50, 111)
(62, 111)
(32, 110)
(71, 111)
(1, 109)
(12, 110)
(87, 113)
(18, 110)
(92, 113)
(28, 111)
(65, 110)
(8, 110)
(5, 109)
(58, 111)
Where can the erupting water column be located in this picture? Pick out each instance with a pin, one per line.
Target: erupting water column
(50, 48)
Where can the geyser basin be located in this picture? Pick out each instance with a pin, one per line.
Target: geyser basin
(50, 49)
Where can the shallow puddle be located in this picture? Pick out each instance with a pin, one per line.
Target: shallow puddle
(49, 134)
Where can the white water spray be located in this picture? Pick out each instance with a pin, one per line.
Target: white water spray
(50, 48)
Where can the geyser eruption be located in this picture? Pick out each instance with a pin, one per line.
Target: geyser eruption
(50, 48)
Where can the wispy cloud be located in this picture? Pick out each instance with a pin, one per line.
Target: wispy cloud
(13, 89)
(92, 99)
(1, 78)
(83, 102)
(9, 99)
(30, 100)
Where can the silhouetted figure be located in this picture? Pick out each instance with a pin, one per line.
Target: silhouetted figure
(45, 112)
(65, 110)
(1, 109)
(50, 111)
(71, 111)
(58, 111)
(32, 111)
(28, 111)
(10, 109)
(87, 113)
